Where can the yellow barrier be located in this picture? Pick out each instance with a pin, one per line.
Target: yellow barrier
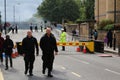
(89, 44)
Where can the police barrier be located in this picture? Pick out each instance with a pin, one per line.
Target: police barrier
(88, 44)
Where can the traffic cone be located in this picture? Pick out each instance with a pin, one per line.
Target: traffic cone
(16, 52)
(78, 49)
(84, 49)
(13, 54)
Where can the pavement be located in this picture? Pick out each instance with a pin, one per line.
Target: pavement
(68, 65)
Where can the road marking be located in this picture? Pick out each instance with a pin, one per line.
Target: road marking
(112, 71)
(80, 61)
(1, 75)
(75, 74)
(85, 62)
(63, 68)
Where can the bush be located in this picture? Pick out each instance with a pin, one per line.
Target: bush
(104, 23)
(108, 27)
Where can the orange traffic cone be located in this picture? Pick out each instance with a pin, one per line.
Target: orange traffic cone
(16, 52)
(78, 49)
(13, 54)
(84, 49)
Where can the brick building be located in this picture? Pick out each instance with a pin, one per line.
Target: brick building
(105, 9)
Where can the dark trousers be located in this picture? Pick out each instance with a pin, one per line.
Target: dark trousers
(1, 56)
(63, 48)
(109, 43)
(29, 63)
(6, 60)
(48, 63)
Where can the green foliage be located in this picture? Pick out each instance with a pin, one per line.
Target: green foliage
(86, 8)
(104, 23)
(108, 27)
(56, 10)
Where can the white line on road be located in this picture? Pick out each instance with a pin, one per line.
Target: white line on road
(84, 62)
(75, 74)
(63, 68)
(112, 71)
(1, 75)
(80, 61)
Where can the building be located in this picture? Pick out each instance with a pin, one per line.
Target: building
(105, 9)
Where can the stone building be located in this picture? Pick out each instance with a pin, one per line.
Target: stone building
(105, 9)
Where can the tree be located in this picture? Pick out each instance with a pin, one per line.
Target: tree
(89, 4)
(56, 10)
(86, 8)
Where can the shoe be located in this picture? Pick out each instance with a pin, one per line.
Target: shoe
(6, 68)
(25, 72)
(43, 71)
(30, 74)
(49, 75)
(11, 66)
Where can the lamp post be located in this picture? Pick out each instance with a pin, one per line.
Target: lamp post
(114, 34)
(14, 13)
(5, 16)
(0, 17)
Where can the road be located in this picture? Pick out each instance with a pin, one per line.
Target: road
(68, 65)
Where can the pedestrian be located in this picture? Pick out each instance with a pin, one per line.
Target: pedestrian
(73, 34)
(41, 29)
(36, 28)
(64, 28)
(13, 27)
(28, 45)
(8, 47)
(95, 33)
(63, 38)
(31, 28)
(1, 47)
(1, 28)
(110, 38)
(16, 29)
(105, 41)
(48, 46)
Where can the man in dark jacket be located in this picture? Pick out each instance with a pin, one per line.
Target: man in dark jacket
(8, 46)
(28, 44)
(1, 47)
(48, 46)
(110, 38)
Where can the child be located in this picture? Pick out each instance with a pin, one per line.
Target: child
(105, 41)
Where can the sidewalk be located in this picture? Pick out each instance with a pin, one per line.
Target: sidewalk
(111, 50)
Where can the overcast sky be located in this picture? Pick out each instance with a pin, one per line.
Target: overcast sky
(24, 9)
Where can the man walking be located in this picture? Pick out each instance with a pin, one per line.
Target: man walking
(1, 47)
(28, 44)
(8, 46)
(48, 46)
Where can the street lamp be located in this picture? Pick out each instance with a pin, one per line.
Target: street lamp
(114, 34)
(5, 16)
(14, 13)
(0, 17)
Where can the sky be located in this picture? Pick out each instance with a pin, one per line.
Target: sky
(24, 9)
